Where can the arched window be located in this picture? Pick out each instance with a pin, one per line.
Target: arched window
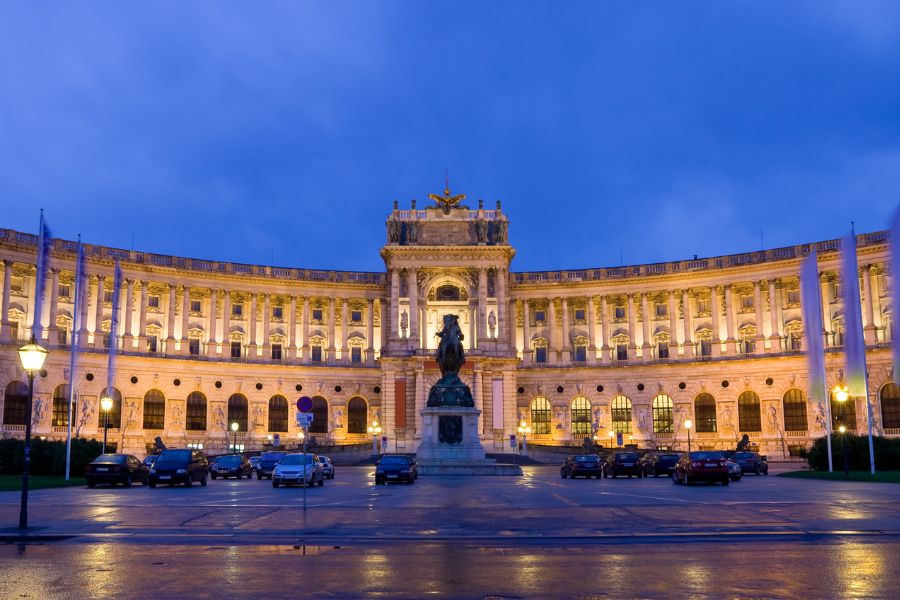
(621, 414)
(61, 406)
(196, 412)
(154, 410)
(357, 414)
(15, 398)
(581, 416)
(278, 413)
(320, 415)
(705, 413)
(890, 406)
(237, 411)
(794, 410)
(540, 415)
(748, 412)
(115, 413)
(843, 413)
(663, 419)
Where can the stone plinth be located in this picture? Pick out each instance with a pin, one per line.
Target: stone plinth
(451, 446)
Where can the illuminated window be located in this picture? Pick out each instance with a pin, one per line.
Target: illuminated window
(890, 406)
(663, 419)
(705, 413)
(61, 406)
(581, 416)
(621, 414)
(749, 412)
(540, 416)
(154, 410)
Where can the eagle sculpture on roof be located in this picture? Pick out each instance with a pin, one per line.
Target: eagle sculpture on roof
(448, 200)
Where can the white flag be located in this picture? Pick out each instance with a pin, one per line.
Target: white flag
(40, 280)
(854, 343)
(811, 303)
(895, 272)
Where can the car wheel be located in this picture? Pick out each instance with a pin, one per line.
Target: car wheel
(725, 481)
(239, 476)
(92, 484)
(203, 481)
(258, 476)
(322, 481)
(756, 471)
(152, 484)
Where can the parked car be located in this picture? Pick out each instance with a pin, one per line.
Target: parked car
(230, 465)
(751, 462)
(267, 463)
(304, 469)
(659, 463)
(396, 467)
(734, 470)
(150, 459)
(115, 468)
(327, 466)
(181, 465)
(586, 465)
(701, 466)
(622, 463)
(254, 462)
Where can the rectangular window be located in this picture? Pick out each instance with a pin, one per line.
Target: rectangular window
(540, 355)
(194, 346)
(237, 309)
(662, 310)
(747, 302)
(276, 351)
(152, 343)
(195, 306)
(621, 352)
(317, 314)
(662, 350)
(14, 330)
(235, 349)
(356, 316)
(16, 284)
(705, 348)
(317, 354)
(62, 337)
(539, 316)
(106, 340)
(579, 314)
(620, 312)
(153, 301)
(356, 355)
(63, 290)
(793, 296)
(580, 353)
(795, 342)
(107, 296)
(277, 312)
(703, 306)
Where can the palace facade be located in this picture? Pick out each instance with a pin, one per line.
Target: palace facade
(596, 352)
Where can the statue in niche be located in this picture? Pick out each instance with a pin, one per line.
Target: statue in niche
(220, 417)
(404, 322)
(338, 421)
(412, 232)
(393, 231)
(176, 415)
(481, 230)
(500, 229)
(492, 324)
(257, 417)
(39, 409)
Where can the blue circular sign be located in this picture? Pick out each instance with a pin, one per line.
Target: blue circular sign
(304, 404)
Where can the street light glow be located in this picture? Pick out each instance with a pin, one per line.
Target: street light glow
(234, 426)
(842, 429)
(106, 404)
(32, 356)
(688, 424)
(841, 393)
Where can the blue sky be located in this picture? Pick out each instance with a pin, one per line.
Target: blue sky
(235, 131)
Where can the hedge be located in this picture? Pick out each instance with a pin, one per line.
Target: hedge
(48, 457)
(887, 453)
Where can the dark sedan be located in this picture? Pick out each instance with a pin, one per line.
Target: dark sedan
(701, 466)
(623, 463)
(395, 467)
(230, 465)
(657, 464)
(267, 463)
(176, 466)
(587, 465)
(751, 462)
(115, 468)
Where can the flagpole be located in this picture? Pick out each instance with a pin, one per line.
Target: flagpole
(73, 350)
(113, 343)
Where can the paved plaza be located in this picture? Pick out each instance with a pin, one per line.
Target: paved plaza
(531, 536)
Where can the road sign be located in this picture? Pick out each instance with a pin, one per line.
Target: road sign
(512, 440)
(618, 438)
(304, 419)
(276, 440)
(304, 404)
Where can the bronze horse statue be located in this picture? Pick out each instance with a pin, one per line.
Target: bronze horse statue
(450, 354)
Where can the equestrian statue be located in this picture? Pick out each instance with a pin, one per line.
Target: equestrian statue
(450, 390)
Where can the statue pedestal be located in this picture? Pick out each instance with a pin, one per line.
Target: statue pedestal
(451, 446)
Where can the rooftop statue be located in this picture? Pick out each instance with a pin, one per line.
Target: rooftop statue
(448, 200)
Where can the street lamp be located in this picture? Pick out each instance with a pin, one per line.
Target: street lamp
(612, 436)
(687, 425)
(843, 431)
(375, 430)
(524, 430)
(106, 405)
(234, 428)
(841, 393)
(32, 356)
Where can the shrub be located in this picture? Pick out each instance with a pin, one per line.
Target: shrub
(887, 453)
(47, 457)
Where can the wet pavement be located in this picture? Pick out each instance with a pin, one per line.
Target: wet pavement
(531, 536)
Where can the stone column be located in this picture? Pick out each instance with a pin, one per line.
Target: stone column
(604, 323)
(472, 317)
(331, 332)
(526, 334)
(412, 290)
(5, 324)
(502, 305)
(384, 307)
(128, 338)
(687, 319)
(868, 305)
(142, 315)
(826, 309)
(512, 327)
(98, 312)
(478, 395)
(715, 311)
(645, 326)
(592, 325)
(370, 332)
(226, 325)
(730, 341)
(251, 326)
(345, 318)
(267, 322)
(394, 323)
(305, 331)
(52, 337)
(185, 317)
(775, 334)
(291, 329)
(482, 307)
(566, 342)
(419, 399)
(632, 343)
(170, 322)
(553, 341)
(211, 334)
(757, 304)
(673, 324)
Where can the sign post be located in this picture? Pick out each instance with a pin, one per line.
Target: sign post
(304, 420)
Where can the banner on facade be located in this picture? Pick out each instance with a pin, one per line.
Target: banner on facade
(400, 404)
(497, 403)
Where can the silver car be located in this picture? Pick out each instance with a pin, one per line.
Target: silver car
(299, 469)
(734, 470)
(327, 466)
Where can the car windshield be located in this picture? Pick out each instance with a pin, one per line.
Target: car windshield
(323, 460)
(707, 456)
(228, 460)
(586, 458)
(394, 460)
(274, 456)
(626, 456)
(297, 459)
(110, 459)
(744, 455)
(175, 456)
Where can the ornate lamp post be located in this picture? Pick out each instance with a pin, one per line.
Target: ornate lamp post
(524, 430)
(234, 429)
(375, 430)
(106, 405)
(300, 437)
(687, 425)
(32, 356)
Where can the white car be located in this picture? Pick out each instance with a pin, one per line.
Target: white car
(300, 469)
(327, 466)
